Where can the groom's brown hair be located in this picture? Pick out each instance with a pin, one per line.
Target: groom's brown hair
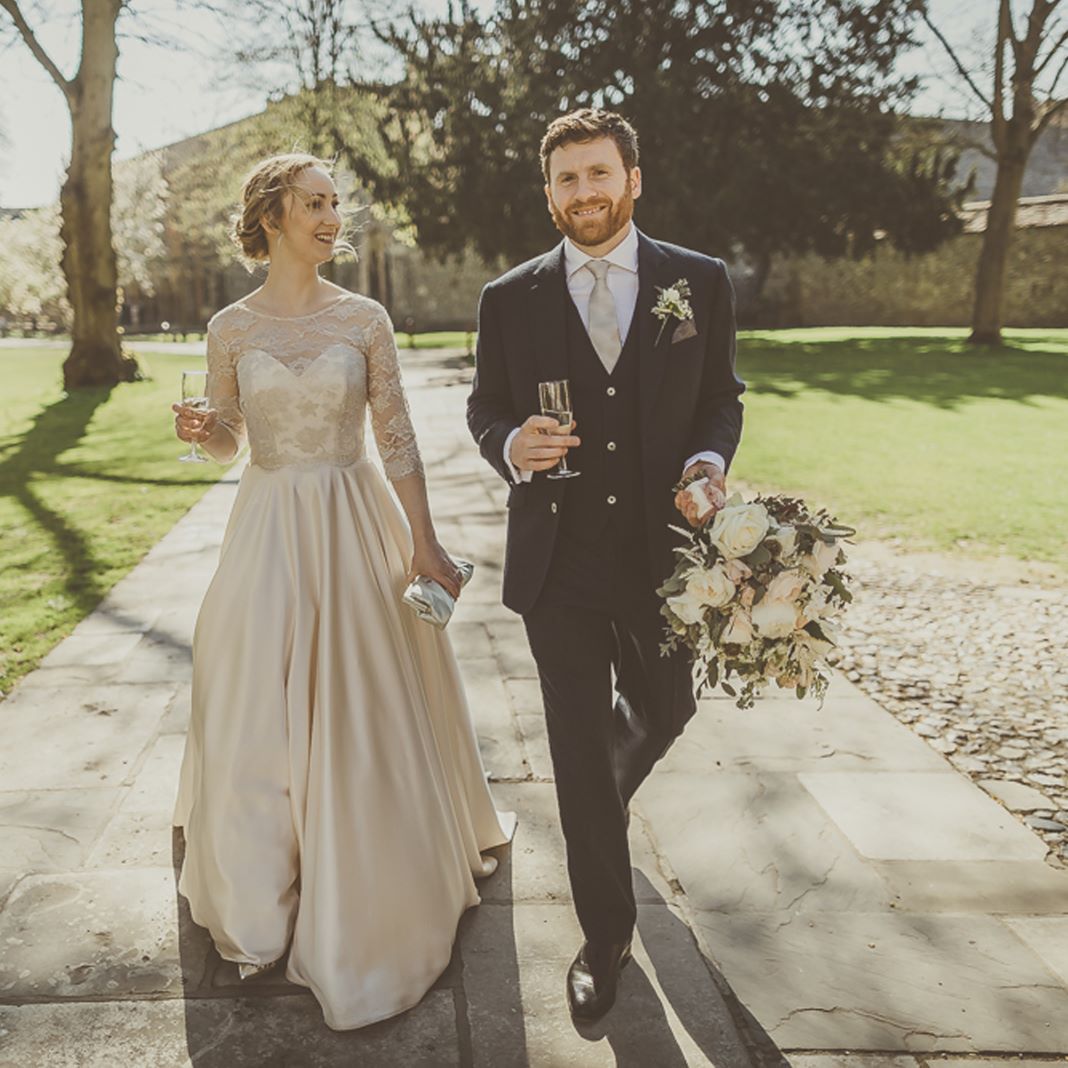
(586, 124)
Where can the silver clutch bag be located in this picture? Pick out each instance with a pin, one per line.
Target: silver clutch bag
(430, 601)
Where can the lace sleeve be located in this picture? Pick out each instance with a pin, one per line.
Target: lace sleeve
(390, 417)
(223, 393)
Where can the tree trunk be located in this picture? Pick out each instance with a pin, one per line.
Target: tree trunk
(89, 263)
(994, 256)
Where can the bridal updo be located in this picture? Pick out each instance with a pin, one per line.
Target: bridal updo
(263, 198)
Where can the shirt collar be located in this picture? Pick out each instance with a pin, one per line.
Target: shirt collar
(624, 255)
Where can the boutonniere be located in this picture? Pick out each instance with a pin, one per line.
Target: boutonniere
(673, 303)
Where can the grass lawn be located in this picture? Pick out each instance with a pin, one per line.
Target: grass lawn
(442, 339)
(913, 434)
(88, 483)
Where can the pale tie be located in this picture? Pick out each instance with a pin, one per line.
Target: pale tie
(604, 324)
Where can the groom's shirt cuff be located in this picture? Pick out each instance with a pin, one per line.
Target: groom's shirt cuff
(517, 475)
(704, 458)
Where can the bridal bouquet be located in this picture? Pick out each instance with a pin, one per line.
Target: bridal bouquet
(756, 595)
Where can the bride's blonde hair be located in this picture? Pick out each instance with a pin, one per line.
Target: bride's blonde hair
(263, 198)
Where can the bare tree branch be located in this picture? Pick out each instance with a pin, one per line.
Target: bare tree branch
(951, 52)
(1057, 77)
(1051, 54)
(42, 57)
(1048, 115)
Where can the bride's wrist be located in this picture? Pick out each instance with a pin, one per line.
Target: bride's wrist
(424, 539)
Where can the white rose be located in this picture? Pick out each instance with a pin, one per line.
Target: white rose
(786, 538)
(687, 608)
(739, 630)
(786, 586)
(774, 619)
(822, 557)
(737, 530)
(711, 586)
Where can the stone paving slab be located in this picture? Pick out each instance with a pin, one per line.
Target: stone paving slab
(279, 1032)
(95, 734)
(877, 981)
(850, 732)
(851, 1060)
(108, 933)
(53, 830)
(744, 842)
(1048, 937)
(921, 816)
(987, 886)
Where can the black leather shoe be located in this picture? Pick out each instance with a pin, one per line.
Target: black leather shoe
(593, 978)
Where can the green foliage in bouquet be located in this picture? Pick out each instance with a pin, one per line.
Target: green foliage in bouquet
(756, 596)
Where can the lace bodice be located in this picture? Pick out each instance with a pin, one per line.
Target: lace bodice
(299, 388)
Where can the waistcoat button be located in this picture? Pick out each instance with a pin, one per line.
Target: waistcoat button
(611, 500)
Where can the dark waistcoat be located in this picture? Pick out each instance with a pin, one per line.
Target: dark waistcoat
(607, 500)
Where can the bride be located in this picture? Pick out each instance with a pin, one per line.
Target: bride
(332, 796)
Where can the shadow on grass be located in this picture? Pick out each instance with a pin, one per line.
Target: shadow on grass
(34, 456)
(58, 427)
(939, 371)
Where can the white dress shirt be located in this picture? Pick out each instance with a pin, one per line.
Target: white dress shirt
(622, 279)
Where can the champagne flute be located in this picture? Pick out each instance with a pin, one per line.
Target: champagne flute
(194, 395)
(556, 402)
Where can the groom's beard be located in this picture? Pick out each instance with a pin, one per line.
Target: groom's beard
(595, 231)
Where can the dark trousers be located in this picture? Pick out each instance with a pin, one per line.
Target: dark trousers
(598, 616)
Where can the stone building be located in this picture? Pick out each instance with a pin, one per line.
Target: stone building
(888, 288)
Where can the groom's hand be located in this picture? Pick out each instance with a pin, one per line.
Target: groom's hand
(718, 483)
(540, 443)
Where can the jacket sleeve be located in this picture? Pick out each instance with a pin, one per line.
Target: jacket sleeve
(490, 415)
(718, 425)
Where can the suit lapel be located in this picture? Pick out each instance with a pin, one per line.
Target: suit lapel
(548, 324)
(654, 269)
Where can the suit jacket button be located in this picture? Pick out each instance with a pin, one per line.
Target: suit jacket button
(553, 507)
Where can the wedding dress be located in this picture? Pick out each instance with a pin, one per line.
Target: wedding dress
(332, 794)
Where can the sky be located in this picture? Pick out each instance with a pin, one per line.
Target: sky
(167, 93)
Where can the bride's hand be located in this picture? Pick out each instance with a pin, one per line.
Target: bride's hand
(431, 560)
(194, 424)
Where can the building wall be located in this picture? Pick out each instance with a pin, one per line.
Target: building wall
(888, 288)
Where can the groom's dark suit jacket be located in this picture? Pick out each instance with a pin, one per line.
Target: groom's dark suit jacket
(688, 394)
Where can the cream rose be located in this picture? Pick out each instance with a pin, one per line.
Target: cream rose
(738, 529)
(785, 586)
(687, 608)
(774, 619)
(706, 587)
(739, 630)
(711, 585)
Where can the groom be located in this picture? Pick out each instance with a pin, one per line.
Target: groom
(585, 555)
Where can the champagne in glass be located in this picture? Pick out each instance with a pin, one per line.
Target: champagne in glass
(556, 402)
(194, 395)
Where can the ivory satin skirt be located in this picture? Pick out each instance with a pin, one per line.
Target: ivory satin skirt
(332, 795)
